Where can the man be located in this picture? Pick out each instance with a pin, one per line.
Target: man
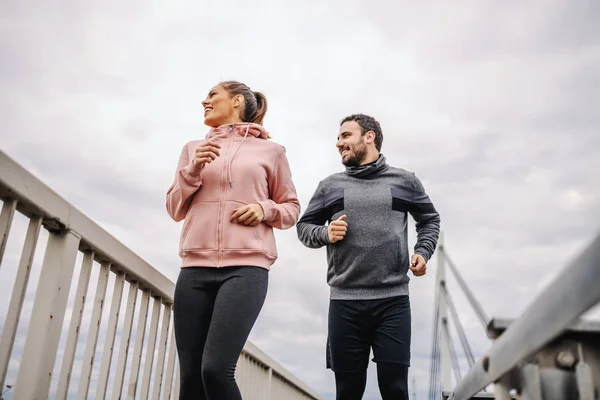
(366, 237)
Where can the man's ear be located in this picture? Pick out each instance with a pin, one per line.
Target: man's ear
(370, 137)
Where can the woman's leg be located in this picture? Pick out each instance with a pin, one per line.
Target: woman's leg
(237, 305)
(193, 307)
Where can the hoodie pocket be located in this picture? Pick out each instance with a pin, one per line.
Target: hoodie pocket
(199, 229)
(238, 236)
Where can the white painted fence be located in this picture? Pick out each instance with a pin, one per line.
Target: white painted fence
(143, 363)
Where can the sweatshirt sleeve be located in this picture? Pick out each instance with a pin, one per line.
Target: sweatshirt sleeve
(427, 220)
(283, 208)
(311, 228)
(188, 180)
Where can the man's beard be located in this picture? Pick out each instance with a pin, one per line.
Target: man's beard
(359, 153)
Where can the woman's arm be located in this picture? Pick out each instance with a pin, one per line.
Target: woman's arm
(188, 180)
(283, 208)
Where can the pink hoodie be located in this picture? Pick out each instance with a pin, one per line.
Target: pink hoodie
(250, 169)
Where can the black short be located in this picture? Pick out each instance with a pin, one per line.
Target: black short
(356, 326)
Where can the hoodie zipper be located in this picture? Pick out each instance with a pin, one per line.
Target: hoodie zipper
(222, 195)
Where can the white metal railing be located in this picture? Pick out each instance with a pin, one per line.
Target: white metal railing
(555, 310)
(547, 353)
(142, 364)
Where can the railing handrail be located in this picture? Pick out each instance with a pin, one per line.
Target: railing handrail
(571, 294)
(37, 199)
(279, 369)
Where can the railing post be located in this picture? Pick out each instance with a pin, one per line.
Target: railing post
(75, 326)
(125, 340)
(111, 333)
(11, 323)
(136, 361)
(170, 377)
(93, 333)
(45, 326)
(443, 307)
(269, 384)
(6, 217)
(150, 348)
(162, 351)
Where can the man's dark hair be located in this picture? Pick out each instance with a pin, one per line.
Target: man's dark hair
(367, 123)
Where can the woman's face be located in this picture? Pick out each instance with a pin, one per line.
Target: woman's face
(220, 108)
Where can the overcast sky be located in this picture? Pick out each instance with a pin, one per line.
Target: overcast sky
(494, 106)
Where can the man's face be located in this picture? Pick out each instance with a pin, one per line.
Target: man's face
(351, 144)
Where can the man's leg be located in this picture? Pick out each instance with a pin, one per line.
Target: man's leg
(393, 380)
(348, 347)
(237, 305)
(391, 346)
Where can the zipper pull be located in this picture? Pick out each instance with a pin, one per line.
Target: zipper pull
(230, 185)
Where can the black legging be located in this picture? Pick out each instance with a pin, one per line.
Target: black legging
(392, 379)
(214, 311)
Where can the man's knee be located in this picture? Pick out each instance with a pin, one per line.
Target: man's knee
(394, 389)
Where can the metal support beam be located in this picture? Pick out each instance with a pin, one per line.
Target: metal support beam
(434, 375)
(443, 307)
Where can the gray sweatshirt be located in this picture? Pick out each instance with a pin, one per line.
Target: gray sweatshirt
(371, 262)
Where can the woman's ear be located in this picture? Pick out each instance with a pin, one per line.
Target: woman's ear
(238, 100)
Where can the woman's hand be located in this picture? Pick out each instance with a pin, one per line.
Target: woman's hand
(206, 153)
(250, 215)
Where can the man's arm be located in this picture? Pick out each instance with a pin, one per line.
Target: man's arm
(427, 221)
(311, 228)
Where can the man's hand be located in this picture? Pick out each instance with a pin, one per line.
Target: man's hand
(251, 215)
(206, 153)
(418, 265)
(337, 229)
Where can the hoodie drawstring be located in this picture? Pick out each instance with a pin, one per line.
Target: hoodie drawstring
(234, 154)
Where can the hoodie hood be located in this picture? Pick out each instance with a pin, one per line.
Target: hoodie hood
(240, 129)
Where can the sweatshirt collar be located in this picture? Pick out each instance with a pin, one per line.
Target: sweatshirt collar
(239, 129)
(369, 170)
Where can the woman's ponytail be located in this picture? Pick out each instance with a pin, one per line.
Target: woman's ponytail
(261, 108)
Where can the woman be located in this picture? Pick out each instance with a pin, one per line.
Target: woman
(232, 189)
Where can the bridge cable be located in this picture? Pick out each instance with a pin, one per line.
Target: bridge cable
(453, 356)
(483, 318)
(459, 328)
